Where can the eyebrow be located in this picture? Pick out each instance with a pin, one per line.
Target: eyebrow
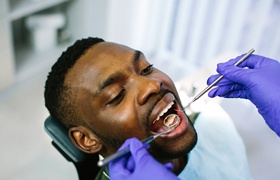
(113, 78)
(136, 56)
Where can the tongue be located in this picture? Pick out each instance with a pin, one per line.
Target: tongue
(158, 126)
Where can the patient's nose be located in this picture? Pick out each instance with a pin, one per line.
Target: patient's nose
(147, 87)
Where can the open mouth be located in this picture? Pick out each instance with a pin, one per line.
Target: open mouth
(167, 117)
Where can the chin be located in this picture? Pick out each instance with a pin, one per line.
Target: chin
(174, 150)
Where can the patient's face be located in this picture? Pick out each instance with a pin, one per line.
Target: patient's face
(120, 94)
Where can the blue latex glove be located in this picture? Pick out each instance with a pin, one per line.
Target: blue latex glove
(140, 165)
(259, 82)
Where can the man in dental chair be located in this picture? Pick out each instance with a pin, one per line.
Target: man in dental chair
(106, 93)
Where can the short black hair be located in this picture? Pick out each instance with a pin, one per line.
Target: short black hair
(57, 96)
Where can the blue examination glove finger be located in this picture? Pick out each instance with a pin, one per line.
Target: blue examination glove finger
(122, 162)
(225, 88)
(259, 82)
(235, 91)
(131, 163)
(144, 166)
(224, 81)
(230, 63)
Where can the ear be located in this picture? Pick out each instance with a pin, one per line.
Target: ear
(84, 139)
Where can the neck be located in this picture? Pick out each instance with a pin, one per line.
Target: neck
(179, 164)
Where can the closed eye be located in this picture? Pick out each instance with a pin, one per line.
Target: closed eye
(147, 70)
(118, 98)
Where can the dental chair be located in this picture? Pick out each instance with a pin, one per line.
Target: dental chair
(86, 164)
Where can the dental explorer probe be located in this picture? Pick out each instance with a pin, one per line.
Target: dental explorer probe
(218, 79)
(126, 151)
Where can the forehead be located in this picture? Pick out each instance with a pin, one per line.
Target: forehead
(98, 62)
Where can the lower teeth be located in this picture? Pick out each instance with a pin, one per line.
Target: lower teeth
(171, 120)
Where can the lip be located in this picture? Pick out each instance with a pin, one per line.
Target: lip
(161, 106)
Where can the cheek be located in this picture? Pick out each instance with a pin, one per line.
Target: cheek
(120, 123)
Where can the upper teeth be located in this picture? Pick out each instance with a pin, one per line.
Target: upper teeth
(164, 111)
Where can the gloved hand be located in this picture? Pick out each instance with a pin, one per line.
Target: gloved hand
(259, 82)
(140, 165)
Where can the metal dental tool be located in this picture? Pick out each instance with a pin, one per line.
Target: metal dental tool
(126, 151)
(218, 79)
